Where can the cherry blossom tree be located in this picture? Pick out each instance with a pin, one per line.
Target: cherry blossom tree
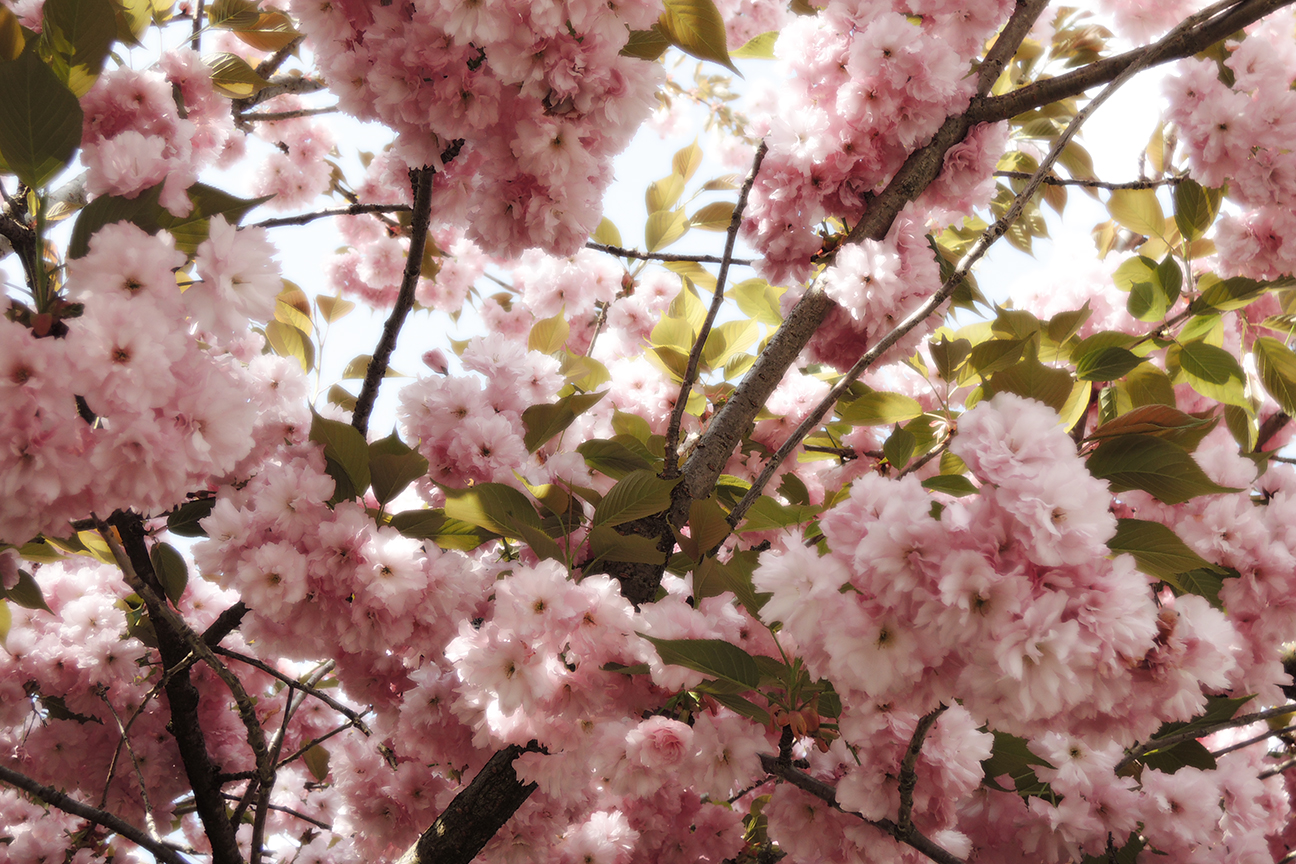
(681, 557)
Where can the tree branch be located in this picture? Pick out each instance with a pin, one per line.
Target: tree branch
(1270, 733)
(421, 180)
(1200, 732)
(183, 698)
(353, 210)
(1094, 184)
(1194, 34)
(825, 792)
(353, 716)
(908, 771)
(475, 814)
(717, 300)
(932, 303)
(1007, 42)
(272, 116)
(663, 256)
(68, 804)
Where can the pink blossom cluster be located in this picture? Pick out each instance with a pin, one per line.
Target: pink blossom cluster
(130, 409)
(538, 94)
(1008, 603)
(135, 136)
(869, 83)
(1240, 136)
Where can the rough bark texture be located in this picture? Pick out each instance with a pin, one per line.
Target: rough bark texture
(475, 814)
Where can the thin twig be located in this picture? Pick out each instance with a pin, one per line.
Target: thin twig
(421, 181)
(272, 116)
(102, 693)
(1254, 740)
(908, 772)
(826, 793)
(1199, 732)
(112, 822)
(291, 812)
(353, 210)
(305, 746)
(664, 256)
(1285, 765)
(1093, 184)
(926, 457)
(984, 242)
(671, 469)
(353, 716)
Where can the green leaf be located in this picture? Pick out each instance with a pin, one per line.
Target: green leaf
(1212, 372)
(26, 593)
(1148, 385)
(6, 621)
(716, 216)
(1276, 364)
(191, 230)
(81, 33)
(271, 31)
(1195, 208)
(745, 707)
(543, 422)
(662, 194)
(419, 524)
(696, 28)
(447, 533)
(899, 448)
(645, 45)
(664, 227)
(40, 120)
(393, 465)
(171, 570)
(951, 484)
(1227, 294)
(948, 356)
(707, 525)
(549, 335)
(345, 446)
(728, 339)
(713, 657)
(1031, 379)
(230, 14)
(232, 76)
(1203, 581)
(1153, 465)
(498, 508)
(287, 341)
(766, 514)
(12, 38)
(1191, 753)
(1157, 550)
(995, 354)
(640, 493)
(1010, 755)
(1138, 210)
(133, 19)
(759, 47)
(184, 519)
(338, 396)
(879, 408)
(608, 544)
(317, 762)
(1219, 709)
(612, 458)
(1161, 421)
(1106, 364)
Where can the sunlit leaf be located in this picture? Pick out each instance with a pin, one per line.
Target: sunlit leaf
(638, 494)
(1138, 210)
(1212, 372)
(1153, 465)
(713, 217)
(664, 227)
(40, 120)
(1276, 364)
(760, 47)
(696, 28)
(543, 422)
(232, 76)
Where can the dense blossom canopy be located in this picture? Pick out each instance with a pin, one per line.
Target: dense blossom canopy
(678, 557)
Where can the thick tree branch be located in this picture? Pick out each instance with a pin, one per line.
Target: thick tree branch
(987, 239)
(717, 301)
(664, 256)
(421, 180)
(68, 804)
(353, 210)
(1007, 42)
(183, 698)
(1194, 34)
(475, 814)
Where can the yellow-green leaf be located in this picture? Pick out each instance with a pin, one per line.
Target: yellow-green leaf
(12, 38)
(606, 544)
(333, 308)
(696, 28)
(713, 217)
(646, 45)
(1138, 210)
(1277, 367)
(270, 32)
(231, 14)
(233, 77)
(759, 47)
(879, 408)
(638, 494)
(549, 334)
(543, 422)
(662, 194)
(686, 161)
(664, 228)
(606, 233)
(1212, 372)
